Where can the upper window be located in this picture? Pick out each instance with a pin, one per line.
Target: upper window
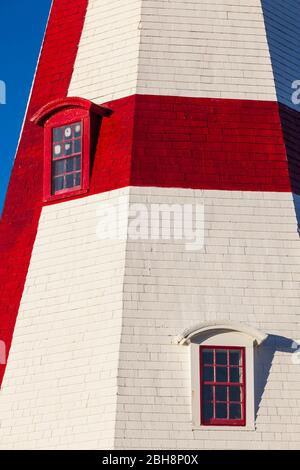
(222, 385)
(69, 126)
(66, 157)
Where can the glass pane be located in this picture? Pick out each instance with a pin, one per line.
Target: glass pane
(77, 146)
(57, 151)
(70, 165)
(208, 411)
(208, 374)
(77, 129)
(67, 132)
(235, 412)
(221, 393)
(221, 356)
(235, 357)
(58, 183)
(234, 394)
(70, 181)
(207, 356)
(77, 163)
(57, 134)
(221, 410)
(221, 374)
(77, 179)
(68, 150)
(235, 374)
(58, 167)
(208, 393)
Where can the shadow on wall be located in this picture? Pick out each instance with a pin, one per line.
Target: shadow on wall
(282, 23)
(290, 122)
(263, 359)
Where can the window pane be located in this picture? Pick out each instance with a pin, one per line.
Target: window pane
(234, 358)
(235, 411)
(221, 374)
(208, 411)
(58, 167)
(234, 393)
(57, 151)
(235, 374)
(207, 356)
(70, 165)
(77, 129)
(77, 179)
(77, 146)
(221, 357)
(57, 134)
(221, 393)
(67, 132)
(70, 181)
(208, 393)
(68, 148)
(58, 183)
(208, 374)
(221, 410)
(77, 163)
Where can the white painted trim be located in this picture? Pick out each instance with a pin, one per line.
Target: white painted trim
(201, 329)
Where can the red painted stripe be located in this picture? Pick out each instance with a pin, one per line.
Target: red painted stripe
(199, 143)
(209, 144)
(24, 198)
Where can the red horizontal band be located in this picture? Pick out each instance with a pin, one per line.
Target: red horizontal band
(196, 143)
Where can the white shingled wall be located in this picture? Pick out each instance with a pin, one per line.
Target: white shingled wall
(249, 272)
(92, 363)
(207, 48)
(107, 61)
(60, 385)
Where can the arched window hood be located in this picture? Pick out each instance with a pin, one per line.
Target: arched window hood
(219, 327)
(53, 107)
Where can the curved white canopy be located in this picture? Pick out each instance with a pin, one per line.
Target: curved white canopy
(202, 328)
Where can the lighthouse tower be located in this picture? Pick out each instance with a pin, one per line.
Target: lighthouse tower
(150, 259)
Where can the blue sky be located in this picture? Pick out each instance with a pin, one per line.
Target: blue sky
(21, 34)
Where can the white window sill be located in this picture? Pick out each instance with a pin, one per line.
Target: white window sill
(224, 428)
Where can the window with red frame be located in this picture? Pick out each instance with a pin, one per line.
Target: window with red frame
(66, 157)
(71, 128)
(222, 385)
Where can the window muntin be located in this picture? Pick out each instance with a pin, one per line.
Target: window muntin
(222, 384)
(67, 157)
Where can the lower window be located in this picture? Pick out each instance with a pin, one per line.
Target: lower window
(222, 382)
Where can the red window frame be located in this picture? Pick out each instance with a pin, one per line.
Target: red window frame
(65, 158)
(65, 112)
(61, 119)
(213, 421)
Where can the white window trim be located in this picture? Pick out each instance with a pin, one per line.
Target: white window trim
(222, 334)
